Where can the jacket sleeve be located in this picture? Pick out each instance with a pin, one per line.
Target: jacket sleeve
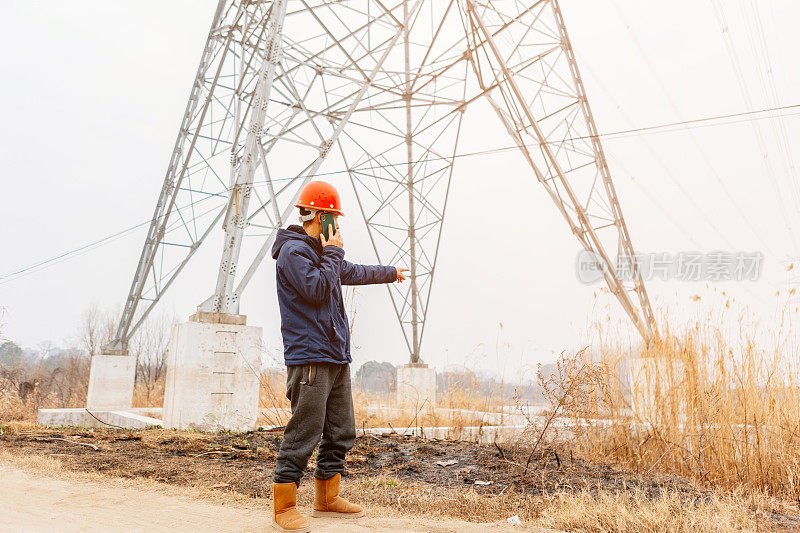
(366, 275)
(314, 283)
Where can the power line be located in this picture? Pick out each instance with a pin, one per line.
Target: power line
(658, 205)
(35, 267)
(668, 172)
(619, 134)
(771, 97)
(74, 251)
(702, 120)
(698, 122)
(701, 150)
(737, 69)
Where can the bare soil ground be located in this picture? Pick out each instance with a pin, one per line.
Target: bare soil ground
(245, 462)
(395, 477)
(35, 502)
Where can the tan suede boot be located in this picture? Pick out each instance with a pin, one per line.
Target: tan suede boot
(285, 516)
(328, 503)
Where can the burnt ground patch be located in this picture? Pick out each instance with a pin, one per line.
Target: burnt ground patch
(244, 462)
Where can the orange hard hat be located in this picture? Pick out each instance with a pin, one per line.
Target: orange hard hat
(320, 196)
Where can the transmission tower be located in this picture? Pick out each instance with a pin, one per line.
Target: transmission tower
(376, 90)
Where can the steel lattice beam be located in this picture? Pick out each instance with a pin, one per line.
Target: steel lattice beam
(524, 52)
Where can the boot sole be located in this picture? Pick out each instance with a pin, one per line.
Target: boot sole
(277, 526)
(331, 514)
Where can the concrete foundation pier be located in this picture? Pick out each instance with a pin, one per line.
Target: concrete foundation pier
(213, 374)
(416, 386)
(111, 378)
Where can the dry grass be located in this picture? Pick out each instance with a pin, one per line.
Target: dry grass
(607, 512)
(389, 497)
(723, 410)
(149, 395)
(372, 410)
(585, 512)
(12, 408)
(24, 390)
(726, 413)
(452, 410)
(462, 405)
(457, 408)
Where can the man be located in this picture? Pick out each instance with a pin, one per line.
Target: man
(316, 344)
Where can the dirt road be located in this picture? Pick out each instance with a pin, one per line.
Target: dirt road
(32, 501)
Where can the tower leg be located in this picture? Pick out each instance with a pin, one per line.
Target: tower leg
(213, 371)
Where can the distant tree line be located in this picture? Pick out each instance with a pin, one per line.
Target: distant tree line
(50, 376)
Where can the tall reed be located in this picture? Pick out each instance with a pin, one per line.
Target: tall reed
(723, 409)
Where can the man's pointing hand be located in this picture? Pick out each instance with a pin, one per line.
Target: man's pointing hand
(400, 277)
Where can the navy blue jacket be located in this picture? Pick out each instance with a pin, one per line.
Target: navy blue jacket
(310, 278)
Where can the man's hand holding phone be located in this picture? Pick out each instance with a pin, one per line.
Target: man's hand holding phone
(335, 240)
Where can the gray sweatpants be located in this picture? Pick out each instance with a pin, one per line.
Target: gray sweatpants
(322, 406)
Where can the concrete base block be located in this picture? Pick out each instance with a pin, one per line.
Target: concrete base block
(102, 418)
(111, 379)
(416, 386)
(213, 376)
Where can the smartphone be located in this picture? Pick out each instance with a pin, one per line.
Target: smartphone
(328, 222)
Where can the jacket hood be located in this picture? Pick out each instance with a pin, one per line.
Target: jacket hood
(293, 233)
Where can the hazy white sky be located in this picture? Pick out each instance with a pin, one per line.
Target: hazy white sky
(94, 91)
